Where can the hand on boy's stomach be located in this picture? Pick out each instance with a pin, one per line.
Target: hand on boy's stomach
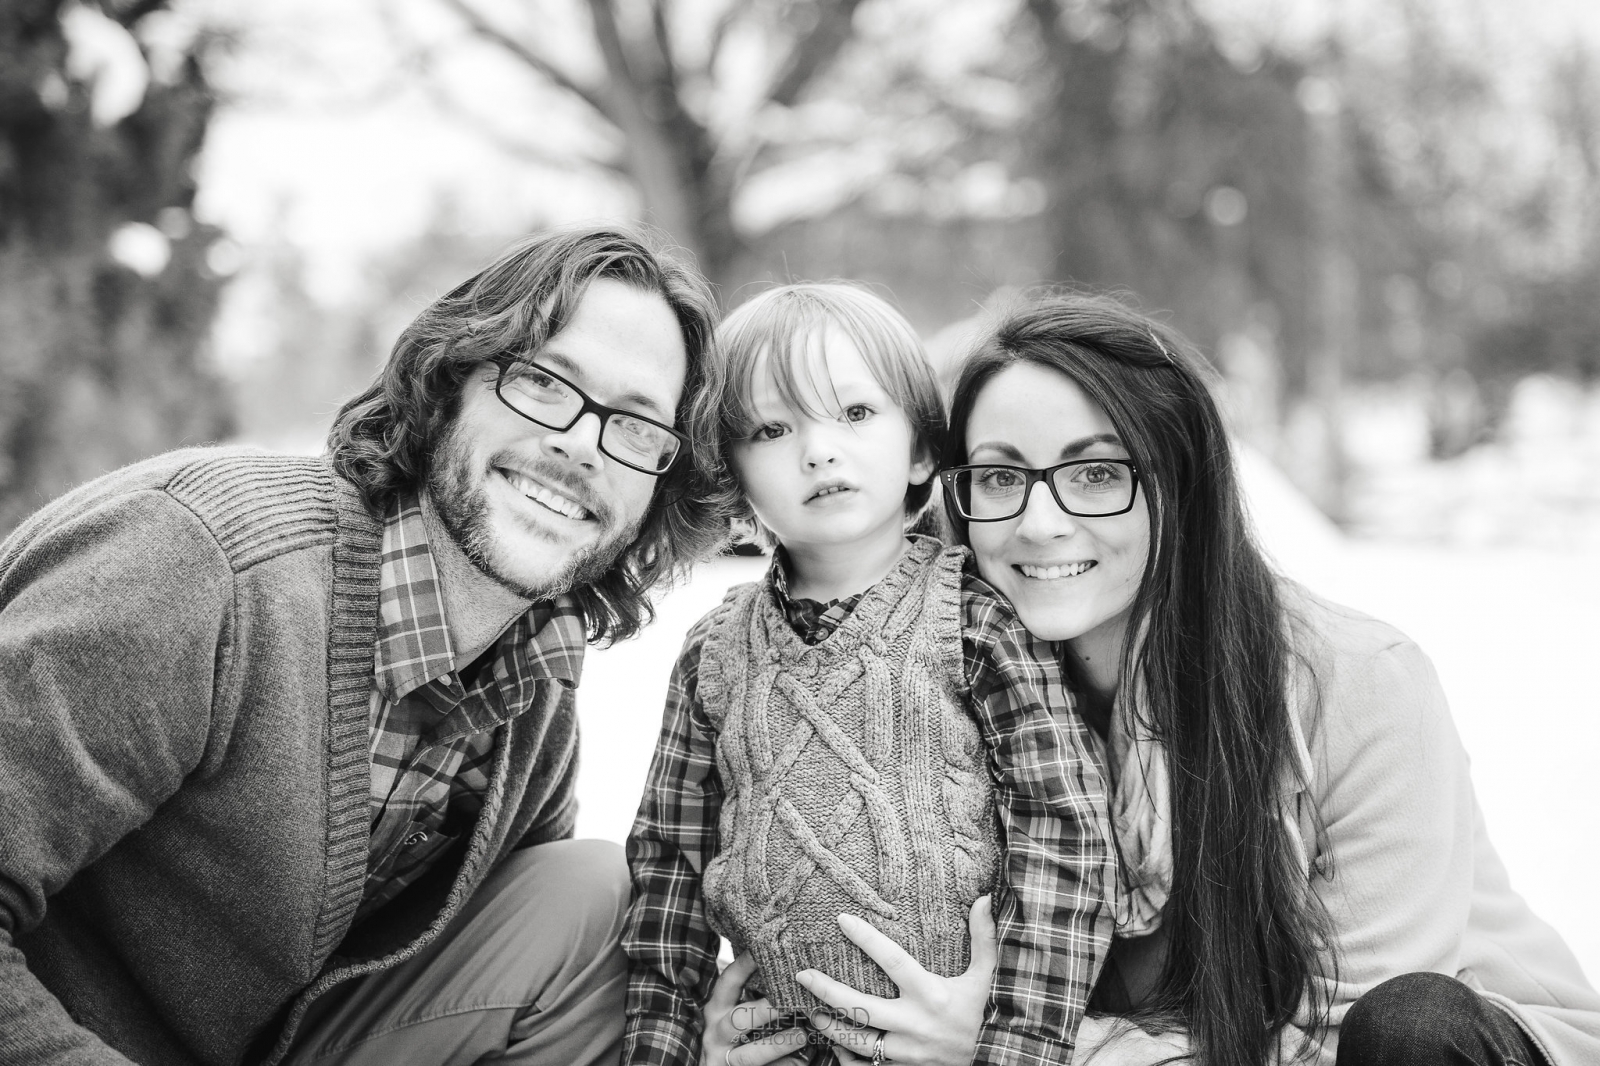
(935, 1021)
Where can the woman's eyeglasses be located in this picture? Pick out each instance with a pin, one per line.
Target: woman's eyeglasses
(1087, 488)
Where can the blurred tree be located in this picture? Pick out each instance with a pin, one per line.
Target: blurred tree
(105, 296)
(652, 92)
(1221, 187)
(1553, 322)
(1308, 211)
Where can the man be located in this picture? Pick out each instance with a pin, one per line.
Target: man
(287, 746)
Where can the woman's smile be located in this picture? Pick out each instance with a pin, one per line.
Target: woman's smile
(1070, 578)
(1053, 573)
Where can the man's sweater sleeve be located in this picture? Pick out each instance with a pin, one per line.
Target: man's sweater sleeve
(113, 625)
(672, 951)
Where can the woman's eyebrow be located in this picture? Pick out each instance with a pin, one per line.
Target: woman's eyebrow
(1006, 451)
(1083, 444)
(1068, 451)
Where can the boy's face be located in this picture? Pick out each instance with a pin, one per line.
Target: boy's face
(835, 477)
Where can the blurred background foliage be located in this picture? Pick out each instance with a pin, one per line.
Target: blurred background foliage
(1379, 219)
(99, 363)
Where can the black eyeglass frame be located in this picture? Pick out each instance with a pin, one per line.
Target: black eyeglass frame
(948, 477)
(590, 404)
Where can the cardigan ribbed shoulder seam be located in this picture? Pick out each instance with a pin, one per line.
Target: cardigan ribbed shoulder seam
(260, 506)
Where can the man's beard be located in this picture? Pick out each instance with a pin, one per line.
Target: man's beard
(456, 490)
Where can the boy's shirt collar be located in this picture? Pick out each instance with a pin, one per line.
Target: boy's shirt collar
(813, 620)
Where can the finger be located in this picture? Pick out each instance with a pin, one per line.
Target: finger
(851, 1002)
(767, 1049)
(743, 1018)
(857, 1043)
(902, 969)
(985, 937)
(725, 993)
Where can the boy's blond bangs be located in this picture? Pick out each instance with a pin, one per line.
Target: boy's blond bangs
(785, 326)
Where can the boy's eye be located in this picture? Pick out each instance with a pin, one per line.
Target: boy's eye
(857, 412)
(769, 431)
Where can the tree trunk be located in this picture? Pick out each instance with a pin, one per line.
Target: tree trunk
(100, 363)
(669, 153)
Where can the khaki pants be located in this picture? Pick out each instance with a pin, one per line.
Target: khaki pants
(529, 972)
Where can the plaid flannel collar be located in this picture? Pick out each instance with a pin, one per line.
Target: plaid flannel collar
(414, 643)
(814, 620)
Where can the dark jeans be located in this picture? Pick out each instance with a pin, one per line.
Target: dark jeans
(1428, 1019)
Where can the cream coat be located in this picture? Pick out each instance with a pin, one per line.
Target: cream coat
(1396, 843)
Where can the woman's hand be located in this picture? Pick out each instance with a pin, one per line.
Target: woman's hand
(935, 1021)
(728, 1020)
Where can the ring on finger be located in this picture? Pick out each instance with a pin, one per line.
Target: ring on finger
(727, 1057)
(877, 1049)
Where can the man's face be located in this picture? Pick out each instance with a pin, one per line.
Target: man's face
(542, 510)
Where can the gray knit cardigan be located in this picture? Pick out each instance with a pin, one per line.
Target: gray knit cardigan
(186, 651)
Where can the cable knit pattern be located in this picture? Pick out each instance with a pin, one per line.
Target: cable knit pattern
(856, 781)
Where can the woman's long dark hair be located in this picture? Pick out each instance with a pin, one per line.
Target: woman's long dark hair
(1245, 936)
(384, 439)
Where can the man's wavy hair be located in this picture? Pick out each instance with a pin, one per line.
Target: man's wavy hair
(384, 439)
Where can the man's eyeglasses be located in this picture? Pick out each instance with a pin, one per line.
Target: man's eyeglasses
(1087, 488)
(547, 399)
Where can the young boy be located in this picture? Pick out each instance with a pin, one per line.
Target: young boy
(840, 738)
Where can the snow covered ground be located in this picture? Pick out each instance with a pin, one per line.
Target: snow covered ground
(1513, 631)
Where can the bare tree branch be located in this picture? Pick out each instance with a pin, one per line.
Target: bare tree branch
(719, 35)
(663, 37)
(512, 145)
(129, 13)
(490, 32)
(609, 37)
(814, 51)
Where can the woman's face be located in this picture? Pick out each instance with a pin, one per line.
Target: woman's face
(1070, 578)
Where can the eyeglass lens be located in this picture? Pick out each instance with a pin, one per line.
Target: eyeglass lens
(991, 493)
(550, 401)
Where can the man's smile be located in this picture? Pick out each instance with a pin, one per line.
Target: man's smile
(545, 496)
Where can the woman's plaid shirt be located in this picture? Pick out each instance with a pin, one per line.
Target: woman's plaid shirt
(433, 722)
(1051, 909)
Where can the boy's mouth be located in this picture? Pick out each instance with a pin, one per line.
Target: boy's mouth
(828, 488)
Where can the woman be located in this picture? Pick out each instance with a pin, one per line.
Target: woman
(1306, 870)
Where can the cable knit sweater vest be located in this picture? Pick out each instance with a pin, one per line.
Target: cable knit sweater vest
(855, 780)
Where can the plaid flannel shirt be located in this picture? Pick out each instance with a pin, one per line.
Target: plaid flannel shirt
(1051, 910)
(813, 620)
(433, 719)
